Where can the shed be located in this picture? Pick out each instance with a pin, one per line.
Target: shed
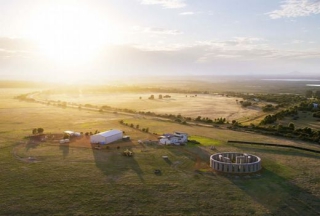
(71, 133)
(106, 137)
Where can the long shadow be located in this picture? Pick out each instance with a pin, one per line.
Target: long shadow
(277, 194)
(168, 161)
(31, 144)
(65, 149)
(111, 161)
(198, 155)
(278, 151)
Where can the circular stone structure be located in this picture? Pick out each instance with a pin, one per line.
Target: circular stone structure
(234, 162)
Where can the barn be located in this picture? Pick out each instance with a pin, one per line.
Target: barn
(106, 137)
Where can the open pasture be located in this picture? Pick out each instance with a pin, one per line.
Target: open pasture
(190, 105)
(75, 179)
(305, 120)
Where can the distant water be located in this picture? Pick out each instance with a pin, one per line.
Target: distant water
(294, 80)
(317, 85)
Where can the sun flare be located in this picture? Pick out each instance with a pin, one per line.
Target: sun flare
(70, 35)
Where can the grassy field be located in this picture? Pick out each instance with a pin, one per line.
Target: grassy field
(212, 106)
(305, 120)
(79, 180)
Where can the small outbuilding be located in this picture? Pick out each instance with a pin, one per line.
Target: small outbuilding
(72, 133)
(106, 137)
(177, 138)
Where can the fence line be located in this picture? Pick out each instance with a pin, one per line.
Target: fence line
(276, 145)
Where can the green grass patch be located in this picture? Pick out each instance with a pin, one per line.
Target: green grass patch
(205, 141)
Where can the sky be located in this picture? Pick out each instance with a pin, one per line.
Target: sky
(60, 40)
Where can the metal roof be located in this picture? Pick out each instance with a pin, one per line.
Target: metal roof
(109, 133)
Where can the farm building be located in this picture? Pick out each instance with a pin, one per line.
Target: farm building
(177, 138)
(106, 137)
(72, 133)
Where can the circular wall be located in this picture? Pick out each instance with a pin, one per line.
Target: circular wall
(234, 162)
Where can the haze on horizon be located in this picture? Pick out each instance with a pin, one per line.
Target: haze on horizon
(80, 39)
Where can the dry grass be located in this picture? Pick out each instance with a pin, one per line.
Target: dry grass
(78, 180)
(212, 106)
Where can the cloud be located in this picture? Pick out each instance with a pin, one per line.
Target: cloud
(296, 8)
(236, 49)
(16, 44)
(165, 3)
(187, 13)
(234, 55)
(297, 41)
(156, 31)
(162, 31)
(159, 47)
(237, 43)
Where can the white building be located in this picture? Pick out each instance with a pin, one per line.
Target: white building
(72, 133)
(106, 137)
(177, 138)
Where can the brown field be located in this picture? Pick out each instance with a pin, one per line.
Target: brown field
(205, 105)
(77, 179)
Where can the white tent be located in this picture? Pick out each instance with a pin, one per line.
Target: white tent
(106, 137)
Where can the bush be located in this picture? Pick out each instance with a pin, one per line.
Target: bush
(245, 103)
(268, 108)
(193, 141)
(316, 114)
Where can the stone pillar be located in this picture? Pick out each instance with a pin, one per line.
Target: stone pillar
(254, 167)
(215, 165)
(225, 167)
(236, 168)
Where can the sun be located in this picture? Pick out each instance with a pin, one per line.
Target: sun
(70, 34)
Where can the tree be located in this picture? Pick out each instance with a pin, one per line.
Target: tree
(151, 97)
(291, 126)
(317, 94)
(280, 127)
(268, 108)
(40, 130)
(137, 126)
(34, 131)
